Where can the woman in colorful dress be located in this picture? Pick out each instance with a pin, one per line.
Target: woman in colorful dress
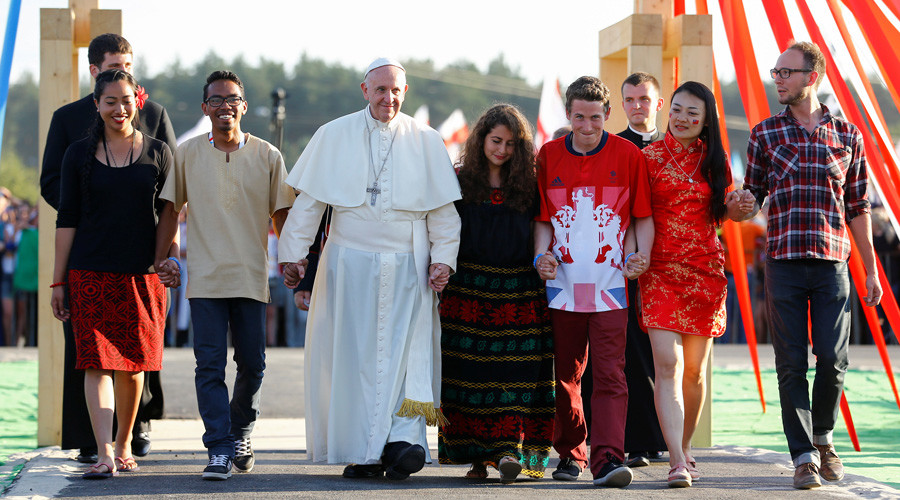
(683, 291)
(497, 389)
(105, 245)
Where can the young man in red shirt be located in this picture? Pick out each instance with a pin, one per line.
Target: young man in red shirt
(592, 184)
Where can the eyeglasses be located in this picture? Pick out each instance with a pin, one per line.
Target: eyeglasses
(232, 100)
(786, 73)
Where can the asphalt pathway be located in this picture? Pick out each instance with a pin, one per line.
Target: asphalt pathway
(172, 470)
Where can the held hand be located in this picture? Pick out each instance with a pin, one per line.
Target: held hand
(636, 265)
(57, 296)
(169, 274)
(294, 272)
(438, 276)
(873, 291)
(546, 266)
(301, 299)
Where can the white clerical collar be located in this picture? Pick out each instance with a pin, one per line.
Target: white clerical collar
(646, 136)
(373, 123)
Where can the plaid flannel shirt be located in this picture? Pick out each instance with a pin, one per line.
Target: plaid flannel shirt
(814, 181)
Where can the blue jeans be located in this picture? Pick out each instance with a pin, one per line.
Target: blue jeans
(825, 286)
(224, 421)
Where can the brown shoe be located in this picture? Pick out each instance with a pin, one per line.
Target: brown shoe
(806, 476)
(832, 469)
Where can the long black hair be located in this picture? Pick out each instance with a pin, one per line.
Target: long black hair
(98, 130)
(715, 164)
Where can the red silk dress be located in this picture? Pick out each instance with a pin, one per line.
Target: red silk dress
(684, 289)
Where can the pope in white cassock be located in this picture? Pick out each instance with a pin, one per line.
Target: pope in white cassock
(373, 348)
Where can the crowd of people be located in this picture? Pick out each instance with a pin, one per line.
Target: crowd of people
(18, 271)
(476, 297)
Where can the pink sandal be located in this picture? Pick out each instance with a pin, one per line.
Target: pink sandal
(94, 472)
(127, 464)
(679, 477)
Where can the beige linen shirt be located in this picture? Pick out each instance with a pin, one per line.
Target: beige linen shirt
(232, 196)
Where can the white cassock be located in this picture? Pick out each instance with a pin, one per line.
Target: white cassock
(373, 348)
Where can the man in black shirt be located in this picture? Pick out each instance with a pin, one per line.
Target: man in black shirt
(71, 123)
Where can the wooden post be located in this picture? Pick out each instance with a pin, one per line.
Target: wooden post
(63, 31)
(58, 86)
(673, 49)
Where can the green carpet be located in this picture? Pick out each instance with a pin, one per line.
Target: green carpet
(737, 418)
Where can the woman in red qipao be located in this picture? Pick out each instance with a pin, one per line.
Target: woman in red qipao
(683, 291)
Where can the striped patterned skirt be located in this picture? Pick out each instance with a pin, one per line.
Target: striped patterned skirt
(497, 368)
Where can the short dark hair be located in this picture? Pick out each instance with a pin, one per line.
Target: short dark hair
(222, 75)
(587, 88)
(107, 43)
(812, 57)
(638, 78)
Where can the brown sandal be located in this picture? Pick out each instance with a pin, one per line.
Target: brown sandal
(478, 471)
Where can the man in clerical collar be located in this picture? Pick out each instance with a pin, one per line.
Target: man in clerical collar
(373, 333)
(641, 102)
(643, 436)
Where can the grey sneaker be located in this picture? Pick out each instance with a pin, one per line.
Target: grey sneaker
(243, 455)
(218, 469)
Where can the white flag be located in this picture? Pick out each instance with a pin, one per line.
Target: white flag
(551, 113)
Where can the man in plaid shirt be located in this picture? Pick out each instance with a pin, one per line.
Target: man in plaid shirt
(812, 167)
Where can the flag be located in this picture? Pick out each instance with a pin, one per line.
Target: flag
(454, 131)
(204, 126)
(421, 115)
(551, 113)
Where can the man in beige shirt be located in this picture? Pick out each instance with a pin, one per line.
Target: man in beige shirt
(235, 184)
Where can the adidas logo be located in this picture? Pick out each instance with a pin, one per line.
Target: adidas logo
(557, 182)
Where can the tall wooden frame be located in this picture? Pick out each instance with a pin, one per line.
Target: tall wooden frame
(63, 32)
(674, 49)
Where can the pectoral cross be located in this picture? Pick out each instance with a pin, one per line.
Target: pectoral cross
(375, 192)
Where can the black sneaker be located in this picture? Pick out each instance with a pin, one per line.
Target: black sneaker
(567, 470)
(613, 473)
(638, 459)
(243, 455)
(218, 469)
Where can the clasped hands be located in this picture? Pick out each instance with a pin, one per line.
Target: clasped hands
(635, 265)
(294, 272)
(740, 203)
(169, 273)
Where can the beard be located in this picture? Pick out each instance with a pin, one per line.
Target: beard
(789, 99)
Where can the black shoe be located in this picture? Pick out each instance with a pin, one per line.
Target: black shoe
(358, 471)
(567, 470)
(613, 473)
(243, 455)
(657, 456)
(402, 459)
(638, 459)
(87, 456)
(140, 444)
(219, 468)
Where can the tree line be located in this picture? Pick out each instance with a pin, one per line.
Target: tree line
(317, 92)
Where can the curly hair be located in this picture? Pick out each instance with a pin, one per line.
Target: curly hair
(98, 129)
(517, 174)
(715, 165)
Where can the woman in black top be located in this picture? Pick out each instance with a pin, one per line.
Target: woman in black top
(496, 339)
(105, 241)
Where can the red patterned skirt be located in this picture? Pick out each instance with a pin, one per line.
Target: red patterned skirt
(118, 320)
